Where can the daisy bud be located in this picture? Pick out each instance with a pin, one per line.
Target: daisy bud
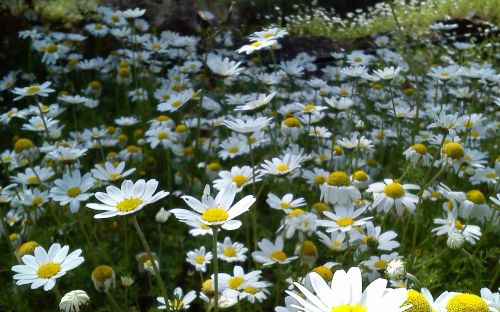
(455, 240)
(360, 125)
(103, 277)
(396, 269)
(162, 215)
(74, 301)
(55, 133)
(309, 253)
(127, 281)
(26, 249)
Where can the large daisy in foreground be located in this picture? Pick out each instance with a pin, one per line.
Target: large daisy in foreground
(44, 267)
(218, 211)
(129, 199)
(345, 294)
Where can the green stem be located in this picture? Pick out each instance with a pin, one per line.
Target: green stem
(111, 299)
(150, 255)
(215, 231)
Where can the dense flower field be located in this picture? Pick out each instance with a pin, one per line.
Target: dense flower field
(143, 169)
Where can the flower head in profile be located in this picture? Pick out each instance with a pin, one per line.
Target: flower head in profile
(74, 300)
(38, 90)
(218, 211)
(129, 199)
(43, 268)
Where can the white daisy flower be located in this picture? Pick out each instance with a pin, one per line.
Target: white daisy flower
(38, 90)
(218, 211)
(179, 302)
(241, 176)
(285, 203)
(71, 189)
(261, 100)
(281, 167)
(199, 258)
(223, 66)
(391, 193)
(339, 189)
(131, 198)
(110, 172)
(336, 241)
(232, 286)
(44, 267)
(231, 252)
(344, 219)
(249, 126)
(345, 293)
(270, 253)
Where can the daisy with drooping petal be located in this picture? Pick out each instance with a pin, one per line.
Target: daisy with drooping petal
(345, 294)
(130, 198)
(261, 100)
(218, 211)
(44, 267)
(339, 189)
(392, 193)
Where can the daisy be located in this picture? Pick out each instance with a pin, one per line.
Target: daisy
(343, 219)
(417, 154)
(218, 211)
(43, 268)
(256, 46)
(74, 300)
(286, 203)
(387, 73)
(35, 175)
(33, 90)
(180, 301)
(452, 225)
(125, 121)
(379, 263)
(339, 189)
(131, 198)
(223, 66)
(249, 126)
(375, 239)
(261, 100)
(67, 155)
(345, 294)
(71, 189)
(232, 286)
(176, 101)
(270, 253)
(391, 193)
(110, 172)
(336, 241)
(272, 33)
(160, 136)
(475, 206)
(231, 252)
(199, 258)
(281, 166)
(241, 176)
(291, 127)
(317, 176)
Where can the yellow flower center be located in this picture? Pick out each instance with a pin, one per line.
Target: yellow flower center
(324, 272)
(360, 175)
(177, 304)
(295, 212)
(181, 128)
(128, 204)
(380, 264)
(343, 222)
(394, 190)
(344, 92)
(338, 150)
(162, 118)
(176, 103)
(278, 255)
(26, 248)
(285, 205)
(37, 201)
(491, 175)
(319, 179)
(250, 290)
(419, 148)
(115, 176)
(239, 180)
(466, 303)
(309, 249)
(22, 145)
(213, 215)
(349, 308)
(358, 59)
(256, 44)
(418, 302)
(476, 196)
(32, 180)
(206, 287)
(48, 270)
(155, 46)
(229, 252)
(338, 178)
(453, 150)
(282, 167)
(133, 149)
(233, 149)
(74, 192)
(51, 48)
(98, 26)
(214, 166)
(292, 122)
(101, 273)
(199, 259)
(162, 135)
(459, 225)
(124, 72)
(309, 107)
(235, 281)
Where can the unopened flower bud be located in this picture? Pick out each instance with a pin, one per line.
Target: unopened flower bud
(455, 240)
(396, 269)
(74, 301)
(162, 215)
